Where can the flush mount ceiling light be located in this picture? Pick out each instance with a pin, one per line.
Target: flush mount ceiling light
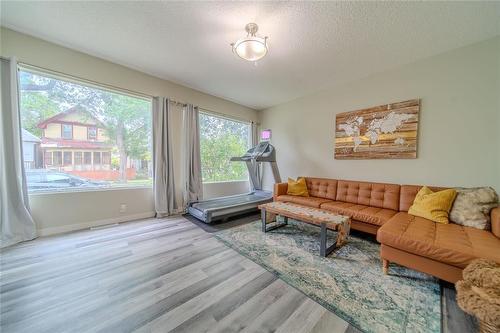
(252, 47)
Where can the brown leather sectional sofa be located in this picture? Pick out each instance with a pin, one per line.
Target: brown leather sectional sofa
(442, 250)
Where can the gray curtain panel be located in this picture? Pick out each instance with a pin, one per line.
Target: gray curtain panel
(191, 177)
(255, 133)
(17, 225)
(163, 168)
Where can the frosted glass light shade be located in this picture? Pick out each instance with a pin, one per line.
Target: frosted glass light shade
(251, 48)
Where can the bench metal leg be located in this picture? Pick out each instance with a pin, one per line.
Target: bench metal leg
(324, 251)
(263, 217)
(265, 228)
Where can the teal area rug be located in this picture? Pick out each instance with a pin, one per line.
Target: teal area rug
(350, 282)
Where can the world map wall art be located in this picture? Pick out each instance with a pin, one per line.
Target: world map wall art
(382, 132)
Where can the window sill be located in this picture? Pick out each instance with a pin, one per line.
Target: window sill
(226, 181)
(87, 190)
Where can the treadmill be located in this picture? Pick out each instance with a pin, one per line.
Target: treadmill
(224, 207)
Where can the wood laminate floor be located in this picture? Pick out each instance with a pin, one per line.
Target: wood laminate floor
(158, 275)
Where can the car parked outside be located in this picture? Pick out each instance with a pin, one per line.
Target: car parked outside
(47, 180)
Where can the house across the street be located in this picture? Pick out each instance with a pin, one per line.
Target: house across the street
(32, 156)
(75, 142)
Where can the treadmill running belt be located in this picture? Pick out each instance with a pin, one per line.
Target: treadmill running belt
(229, 201)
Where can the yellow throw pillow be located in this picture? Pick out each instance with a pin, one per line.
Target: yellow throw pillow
(433, 206)
(298, 187)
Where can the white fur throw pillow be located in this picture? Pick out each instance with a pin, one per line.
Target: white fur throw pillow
(472, 207)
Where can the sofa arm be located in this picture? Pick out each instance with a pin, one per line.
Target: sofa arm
(280, 189)
(495, 221)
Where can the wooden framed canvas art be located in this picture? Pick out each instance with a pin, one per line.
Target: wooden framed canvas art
(382, 132)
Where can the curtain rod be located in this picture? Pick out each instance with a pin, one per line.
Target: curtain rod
(220, 114)
(120, 89)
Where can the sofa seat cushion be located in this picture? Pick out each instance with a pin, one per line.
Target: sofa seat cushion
(451, 243)
(367, 214)
(306, 201)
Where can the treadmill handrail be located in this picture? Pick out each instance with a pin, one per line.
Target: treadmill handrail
(239, 159)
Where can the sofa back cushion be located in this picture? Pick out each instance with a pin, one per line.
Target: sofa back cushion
(370, 194)
(408, 194)
(322, 187)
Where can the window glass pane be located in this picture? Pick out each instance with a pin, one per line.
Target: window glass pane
(221, 139)
(92, 133)
(68, 159)
(106, 158)
(57, 158)
(67, 131)
(48, 158)
(78, 158)
(97, 158)
(93, 137)
(87, 156)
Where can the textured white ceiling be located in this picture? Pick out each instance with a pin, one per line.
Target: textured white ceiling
(313, 45)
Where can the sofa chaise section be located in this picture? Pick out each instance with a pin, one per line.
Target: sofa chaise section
(442, 250)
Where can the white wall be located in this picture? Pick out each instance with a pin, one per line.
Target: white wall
(62, 212)
(458, 143)
(219, 189)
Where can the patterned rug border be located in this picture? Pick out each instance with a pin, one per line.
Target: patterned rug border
(273, 271)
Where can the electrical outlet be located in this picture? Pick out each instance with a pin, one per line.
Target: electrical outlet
(123, 208)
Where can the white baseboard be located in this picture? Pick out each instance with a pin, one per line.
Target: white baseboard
(90, 224)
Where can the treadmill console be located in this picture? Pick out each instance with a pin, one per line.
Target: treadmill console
(262, 152)
(260, 149)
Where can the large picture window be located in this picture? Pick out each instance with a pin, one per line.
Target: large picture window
(78, 136)
(221, 139)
